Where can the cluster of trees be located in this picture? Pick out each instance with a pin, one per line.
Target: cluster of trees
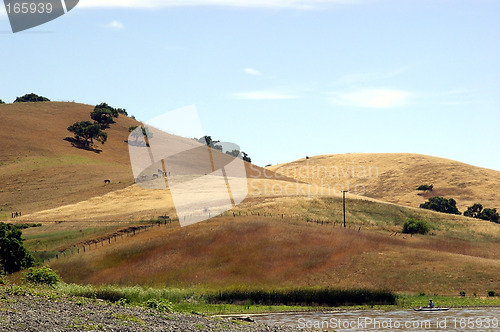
(104, 115)
(13, 254)
(28, 98)
(477, 211)
(441, 204)
(86, 132)
(207, 140)
(31, 98)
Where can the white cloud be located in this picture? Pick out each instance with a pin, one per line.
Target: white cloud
(372, 98)
(251, 71)
(115, 25)
(263, 95)
(296, 4)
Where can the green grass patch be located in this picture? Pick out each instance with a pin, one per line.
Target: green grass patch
(414, 301)
(49, 240)
(193, 300)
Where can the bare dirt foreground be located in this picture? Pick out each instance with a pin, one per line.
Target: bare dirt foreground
(33, 313)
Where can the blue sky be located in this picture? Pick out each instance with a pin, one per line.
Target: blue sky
(283, 79)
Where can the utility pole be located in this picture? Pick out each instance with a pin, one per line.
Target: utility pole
(343, 203)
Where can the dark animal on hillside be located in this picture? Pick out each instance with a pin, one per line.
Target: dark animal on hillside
(307, 157)
(155, 176)
(107, 181)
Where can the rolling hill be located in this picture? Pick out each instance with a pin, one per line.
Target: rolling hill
(40, 169)
(288, 231)
(394, 177)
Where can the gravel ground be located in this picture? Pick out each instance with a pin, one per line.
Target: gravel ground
(33, 313)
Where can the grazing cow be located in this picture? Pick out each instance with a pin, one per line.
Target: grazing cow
(160, 171)
(155, 176)
(307, 157)
(144, 177)
(107, 181)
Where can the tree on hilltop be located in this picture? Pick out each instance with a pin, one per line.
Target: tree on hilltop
(1, 101)
(234, 153)
(246, 157)
(208, 141)
(104, 115)
(31, 98)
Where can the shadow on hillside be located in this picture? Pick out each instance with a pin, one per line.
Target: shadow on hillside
(79, 145)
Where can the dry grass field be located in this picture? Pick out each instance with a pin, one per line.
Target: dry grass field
(265, 252)
(39, 169)
(394, 177)
(287, 232)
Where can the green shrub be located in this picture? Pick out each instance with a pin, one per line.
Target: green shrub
(491, 293)
(42, 275)
(160, 305)
(413, 226)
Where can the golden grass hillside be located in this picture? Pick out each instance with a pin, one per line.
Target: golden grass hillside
(394, 177)
(40, 169)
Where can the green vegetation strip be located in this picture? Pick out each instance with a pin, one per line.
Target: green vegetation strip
(303, 296)
(194, 300)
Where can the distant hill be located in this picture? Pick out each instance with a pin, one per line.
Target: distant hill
(394, 177)
(40, 169)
